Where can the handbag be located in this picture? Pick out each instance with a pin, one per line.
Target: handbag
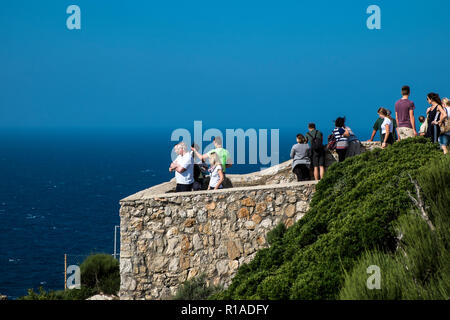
(445, 126)
(331, 142)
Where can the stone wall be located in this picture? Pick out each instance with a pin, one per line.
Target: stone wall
(169, 238)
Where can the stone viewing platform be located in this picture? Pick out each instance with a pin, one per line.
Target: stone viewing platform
(168, 238)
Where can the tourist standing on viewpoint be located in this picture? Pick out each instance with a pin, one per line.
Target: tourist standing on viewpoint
(200, 168)
(404, 113)
(433, 116)
(423, 126)
(216, 177)
(376, 128)
(444, 124)
(315, 139)
(354, 144)
(341, 135)
(183, 167)
(395, 134)
(387, 128)
(301, 153)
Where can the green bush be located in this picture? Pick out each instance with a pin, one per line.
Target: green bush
(355, 285)
(75, 294)
(434, 180)
(353, 211)
(419, 269)
(196, 289)
(41, 295)
(101, 273)
(276, 234)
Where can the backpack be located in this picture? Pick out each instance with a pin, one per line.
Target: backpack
(316, 143)
(331, 142)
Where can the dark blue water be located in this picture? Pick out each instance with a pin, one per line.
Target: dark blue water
(60, 192)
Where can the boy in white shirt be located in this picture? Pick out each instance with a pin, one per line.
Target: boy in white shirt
(423, 126)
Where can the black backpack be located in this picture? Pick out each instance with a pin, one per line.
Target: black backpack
(316, 143)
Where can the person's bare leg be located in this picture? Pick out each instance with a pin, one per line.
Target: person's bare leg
(316, 173)
(322, 171)
(445, 149)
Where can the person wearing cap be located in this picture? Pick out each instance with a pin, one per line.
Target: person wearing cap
(223, 154)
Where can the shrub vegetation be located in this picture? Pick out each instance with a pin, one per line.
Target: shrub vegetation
(356, 209)
(419, 269)
(196, 289)
(99, 274)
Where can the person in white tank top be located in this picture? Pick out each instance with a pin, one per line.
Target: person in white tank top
(216, 170)
(387, 128)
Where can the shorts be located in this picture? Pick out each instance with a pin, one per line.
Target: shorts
(341, 154)
(318, 159)
(405, 133)
(184, 187)
(444, 139)
(390, 139)
(302, 172)
(197, 186)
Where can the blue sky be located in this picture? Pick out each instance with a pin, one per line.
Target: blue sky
(231, 64)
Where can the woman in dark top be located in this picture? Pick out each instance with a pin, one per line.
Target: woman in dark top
(433, 113)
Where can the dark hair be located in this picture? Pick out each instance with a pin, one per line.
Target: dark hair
(340, 122)
(421, 119)
(435, 97)
(312, 126)
(406, 90)
(195, 146)
(301, 138)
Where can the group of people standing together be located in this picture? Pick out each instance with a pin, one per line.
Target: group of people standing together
(190, 167)
(435, 125)
(310, 152)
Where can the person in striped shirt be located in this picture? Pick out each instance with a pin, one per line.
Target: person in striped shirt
(341, 135)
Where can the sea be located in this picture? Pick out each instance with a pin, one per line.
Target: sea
(60, 192)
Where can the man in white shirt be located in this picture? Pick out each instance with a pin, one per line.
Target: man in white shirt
(183, 167)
